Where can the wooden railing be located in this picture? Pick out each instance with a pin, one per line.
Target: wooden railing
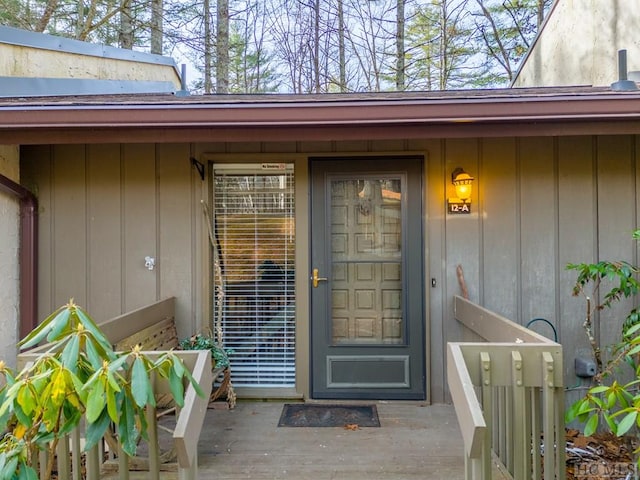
(507, 390)
(144, 325)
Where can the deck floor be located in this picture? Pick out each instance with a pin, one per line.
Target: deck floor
(414, 441)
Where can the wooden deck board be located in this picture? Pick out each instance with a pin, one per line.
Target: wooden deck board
(415, 441)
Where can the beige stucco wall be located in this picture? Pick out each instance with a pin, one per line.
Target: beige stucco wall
(25, 61)
(578, 45)
(9, 273)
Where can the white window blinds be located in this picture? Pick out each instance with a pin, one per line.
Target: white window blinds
(254, 230)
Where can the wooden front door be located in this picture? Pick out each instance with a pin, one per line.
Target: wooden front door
(367, 318)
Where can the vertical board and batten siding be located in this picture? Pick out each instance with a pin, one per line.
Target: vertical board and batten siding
(577, 243)
(499, 230)
(177, 231)
(68, 228)
(104, 230)
(103, 208)
(538, 204)
(538, 226)
(462, 232)
(616, 216)
(140, 222)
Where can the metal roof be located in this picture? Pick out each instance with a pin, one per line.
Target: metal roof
(43, 41)
(34, 87)
(167, 118)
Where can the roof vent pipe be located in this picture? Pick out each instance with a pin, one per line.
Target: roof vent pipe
(623, 84)
(183, 92)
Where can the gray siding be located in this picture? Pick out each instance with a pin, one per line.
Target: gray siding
(103, 208)
(538, 204)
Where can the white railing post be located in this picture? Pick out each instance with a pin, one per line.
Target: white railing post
(123, 463)
(518, 374)
(519, 417)
(76, 454)
(487, 404)
(63, 460)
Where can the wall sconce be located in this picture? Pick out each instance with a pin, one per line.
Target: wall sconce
(462, 181)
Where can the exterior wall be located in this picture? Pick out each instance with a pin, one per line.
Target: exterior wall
(9, 268)
(104, 208)
(538, 204)
(28, 54)
(579, 42)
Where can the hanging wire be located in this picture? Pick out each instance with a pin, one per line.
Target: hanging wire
(555, 332)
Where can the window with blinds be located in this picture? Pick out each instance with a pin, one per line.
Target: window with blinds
(254, 232)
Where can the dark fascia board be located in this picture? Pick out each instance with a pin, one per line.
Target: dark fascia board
(25, 38)
(42, 87)
(168, 111)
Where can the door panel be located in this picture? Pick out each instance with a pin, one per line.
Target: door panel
(367, 308)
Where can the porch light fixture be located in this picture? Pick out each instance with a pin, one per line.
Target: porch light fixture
(462, 182)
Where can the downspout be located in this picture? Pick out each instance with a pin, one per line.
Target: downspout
(28, 254)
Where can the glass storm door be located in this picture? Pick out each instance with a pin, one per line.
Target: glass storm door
(367, 322)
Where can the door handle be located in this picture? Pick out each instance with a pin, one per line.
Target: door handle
(316, 279)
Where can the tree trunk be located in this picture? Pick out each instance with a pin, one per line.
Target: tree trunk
(341, 49)
(316, 45)
(208, 47)
(46, 16)
(222, 48)
(79, 19)
(444, 60)
(125, 37)
(156, 26)
(400, 81)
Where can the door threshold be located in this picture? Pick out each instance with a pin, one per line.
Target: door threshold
(268, 393)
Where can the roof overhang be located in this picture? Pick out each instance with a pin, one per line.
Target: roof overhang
(158, 118)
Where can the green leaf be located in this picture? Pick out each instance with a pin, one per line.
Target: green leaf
(622, 397)
(599, 389)
(95, 430)
(72, 421)
(178, 366)
(93, 355)
(40, 332)
(572, 412)
(10, 467)
(22, 417)
(591, 425)
(60, 325)
(27, 473)
(177, 389)
(626, 423)
(97, 334)
(69, 356)
(610, 423)
(140, 384)
(112, 408)
(113, 383)
(95, 400)
(26, 398)
(126, 427)
(193, 382)
(117, 363)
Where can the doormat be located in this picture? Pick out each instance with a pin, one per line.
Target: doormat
(317, 415)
